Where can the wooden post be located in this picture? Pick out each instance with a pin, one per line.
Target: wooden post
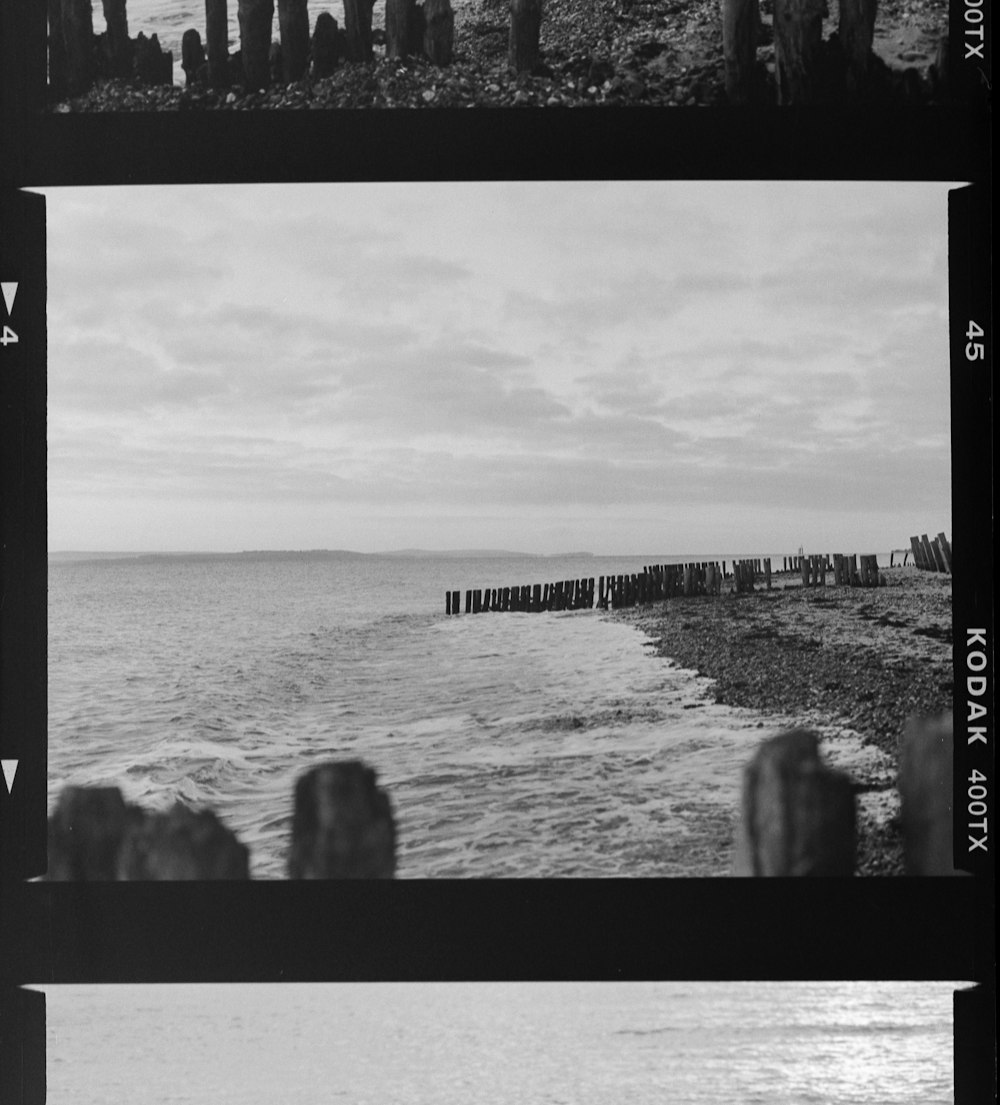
(78, 39)
(192, 56)
(439, 31)
(455, 605)
(293, 25)
(324, 46)
(468, 602)
(57, 51)
(925, 791)
(400, 28)
(217, 42)
(798, 42)
(477, 601)
(182, 844)
(918, 553)
(358, 25)
(856, 32)
(86, 831)
(256, 18)
(797, 813)
(740, 21)
(342, 825)
(938, 555)
(805, 571)
(945, 551)
(525, 29)
(928, 554)
(767, 572)
(118, 45)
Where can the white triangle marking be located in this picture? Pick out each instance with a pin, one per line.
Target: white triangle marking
(9, 771)
(9, 289)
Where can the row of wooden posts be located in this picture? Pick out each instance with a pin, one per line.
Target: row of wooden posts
(663, 581)
(797, 818)
(931, 556)
(803, 63)
(77, 56)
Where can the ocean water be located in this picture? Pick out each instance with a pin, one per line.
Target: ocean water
(511, 744)
(668, 1043)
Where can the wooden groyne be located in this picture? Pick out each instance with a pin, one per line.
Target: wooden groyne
(797, 817)
(664, 581)
(78, 57)
(931, 556)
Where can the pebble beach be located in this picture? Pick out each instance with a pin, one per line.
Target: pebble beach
(617, 54)
(861, 659)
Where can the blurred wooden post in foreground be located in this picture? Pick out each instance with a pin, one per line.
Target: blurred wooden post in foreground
(525, 31)
(798, 42)
(86, 830)
(217, 42)
(293, 27)
(856, 31)
(117, 40)
(925, 791)
(256, 18)
(342, 826)
(182, 844)
(78, 41)
(798, 814)
(740, 20)
(358, 27)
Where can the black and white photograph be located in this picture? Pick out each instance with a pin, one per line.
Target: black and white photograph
(499, 530)
(686, 1043)
(165, 55)
(496, 605)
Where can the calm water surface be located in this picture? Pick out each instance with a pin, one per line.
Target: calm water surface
(830, 1043)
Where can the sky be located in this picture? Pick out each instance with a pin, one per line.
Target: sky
(615, 367)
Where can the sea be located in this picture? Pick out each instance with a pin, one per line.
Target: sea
(510, 744)
(668, 1043)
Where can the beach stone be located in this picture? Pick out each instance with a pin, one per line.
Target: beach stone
(798, 815)
(182, 844)
(86, 831)
(342, 825)
(925, 792)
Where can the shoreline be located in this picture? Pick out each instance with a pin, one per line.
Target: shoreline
(861, 659)
(621, 54)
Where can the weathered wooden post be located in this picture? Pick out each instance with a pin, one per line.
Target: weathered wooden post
(925, 791)
(439, 31)
(217, 42)
(342, 825)
(86, 831)
(918, 552)
(293, 25)
(797, 813)
(798, 42)
(740, 21)
(358, 25)
(938, 555)
(57, 51)
(525, 30)
(767, 573)
(117, 41)
(929, 560)
(192, 56)
(324, 45)
(945, 551)
(806, 565)
(78, 39)
(256, 20)
(400, 27)
(455, 604)
(182, 844)
(468, 602)
(856, 32)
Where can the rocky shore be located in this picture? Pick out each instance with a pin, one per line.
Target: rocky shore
(615, 53)
(860, 659)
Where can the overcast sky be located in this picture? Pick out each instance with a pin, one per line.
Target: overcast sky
(614, 367)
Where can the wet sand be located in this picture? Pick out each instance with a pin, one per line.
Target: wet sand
(863, 659)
